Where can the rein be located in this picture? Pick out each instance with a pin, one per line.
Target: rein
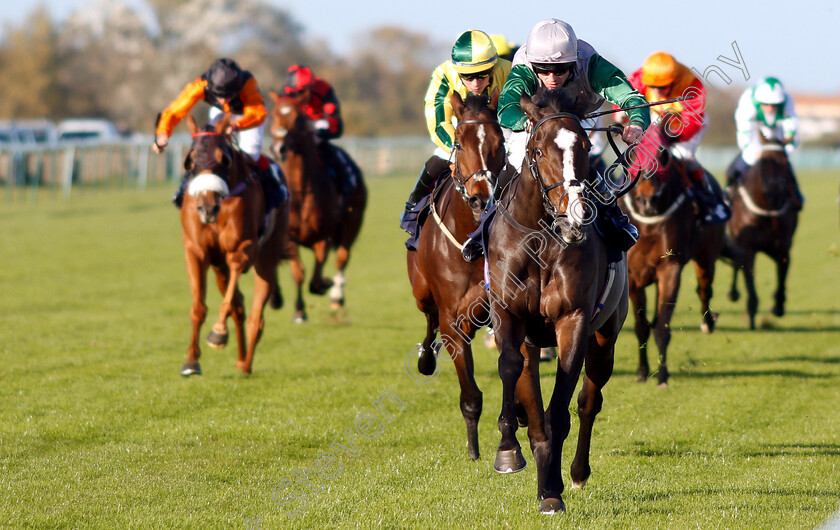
(654, 219)
(460, 182)
(758, 210)
(548, 207)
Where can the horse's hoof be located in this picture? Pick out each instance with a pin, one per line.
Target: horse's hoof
(779, 310)
(509, 461)
(320, 288)
(191, 369)
(578, 485)
(243, 367)
(426, 364)
(217, 340)
(552, 505)
(300, 317)
(489, 340)
(335, 305)
(548, 354)
(663, 384)
(642, 377)
(734, 296)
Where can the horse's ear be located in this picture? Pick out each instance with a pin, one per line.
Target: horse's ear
(457, 104)
(191, 124)
(494, 99)
(274, 95)
(529, 107)
(224, 123)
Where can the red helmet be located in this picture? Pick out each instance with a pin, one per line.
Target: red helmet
(298, 79)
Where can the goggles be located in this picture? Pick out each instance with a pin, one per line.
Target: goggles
(553, 68)
(477, 75)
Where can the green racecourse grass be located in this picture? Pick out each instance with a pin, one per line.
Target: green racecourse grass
(97, 429)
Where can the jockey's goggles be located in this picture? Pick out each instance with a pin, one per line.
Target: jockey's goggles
(663, 87)
(553, 68)
(477, 75)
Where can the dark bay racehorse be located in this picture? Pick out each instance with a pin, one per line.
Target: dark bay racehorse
(670, 235)
(764, 220)
(554, 281)
(318, 218)
(448, 290)
(225, 227)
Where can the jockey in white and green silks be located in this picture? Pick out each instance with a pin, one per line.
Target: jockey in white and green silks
(764, 110)
(474, 68)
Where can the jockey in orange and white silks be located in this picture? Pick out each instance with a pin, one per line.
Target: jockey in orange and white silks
(474, 67)
(226, 88)
(767, 110)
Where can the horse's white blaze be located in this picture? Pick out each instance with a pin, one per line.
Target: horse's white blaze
(565, 140)
(481, 137)
(208, 182)
(286, 110)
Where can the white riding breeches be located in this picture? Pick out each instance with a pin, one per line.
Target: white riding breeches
(249, 140)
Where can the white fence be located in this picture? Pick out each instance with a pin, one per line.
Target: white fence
(61, 168)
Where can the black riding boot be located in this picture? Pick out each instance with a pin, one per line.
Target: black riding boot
(620, 231)
(178, 198)
(714, 209)
(505, 176)
(433, 167)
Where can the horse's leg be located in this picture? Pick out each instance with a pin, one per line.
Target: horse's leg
(639, 300)
(276, 298)
(318, 284)
(529, 400)
(749, 281)
(734, 295)
(705, 269)
(298, 271)
(509, 337)
(457, 343)
(218, 336)
(342, 255)
(782, 264)
(264, 274)
(598, 367)
(668, 287)
(427, 361)
(571, 331)
(197, 274)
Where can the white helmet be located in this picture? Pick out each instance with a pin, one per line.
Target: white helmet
(769, 91)
(551, 41)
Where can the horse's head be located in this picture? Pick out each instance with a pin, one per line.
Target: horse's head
(479, 148)
(660, 177)
(286, 118)
(557, 155)
(211, 165)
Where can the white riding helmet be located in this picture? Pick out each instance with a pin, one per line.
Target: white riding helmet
(769, 91)
(551, 41)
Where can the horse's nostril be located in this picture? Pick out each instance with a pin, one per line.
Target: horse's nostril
(475, 202)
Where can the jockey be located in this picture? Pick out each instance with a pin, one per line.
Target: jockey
(764, 110)
(661, 77)
(553, 57)
(226, 88)
(474, 68)
(319, 103)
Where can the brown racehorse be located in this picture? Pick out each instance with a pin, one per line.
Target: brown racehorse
(318, 218)
(449, 291)
(670, 235)
(223, 215)
(552, 281)
(764, 220)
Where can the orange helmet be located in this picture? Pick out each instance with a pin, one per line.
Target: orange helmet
(660, 69)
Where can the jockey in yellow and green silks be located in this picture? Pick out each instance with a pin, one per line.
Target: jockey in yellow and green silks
(474, 67)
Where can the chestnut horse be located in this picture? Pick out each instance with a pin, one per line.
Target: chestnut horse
(764, 220)
(555, 281)
(448, 290)
(318, 218)
(670, 234)
(225, 227)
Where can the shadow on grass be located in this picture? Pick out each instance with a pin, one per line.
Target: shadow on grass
(796, 450)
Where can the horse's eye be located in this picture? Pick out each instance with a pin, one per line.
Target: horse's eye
(457, 146)
(538, 152)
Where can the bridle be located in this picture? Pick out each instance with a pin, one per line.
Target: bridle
(478, 175)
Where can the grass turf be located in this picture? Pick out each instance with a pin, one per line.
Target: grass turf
(98, 430)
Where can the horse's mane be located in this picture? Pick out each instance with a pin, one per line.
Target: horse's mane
(559, 100)
(476, 103)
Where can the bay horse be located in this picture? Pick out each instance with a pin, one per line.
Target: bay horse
(449, 291)
(763, 220)
(554, 282)
(318, 218)
(670, 235)
(225, 227)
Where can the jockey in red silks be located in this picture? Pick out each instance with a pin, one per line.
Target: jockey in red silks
(227, 89)
(661, 77)
(319, 103)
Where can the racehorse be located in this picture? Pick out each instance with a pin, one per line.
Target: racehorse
(764, 220)
(318, 217)
(555, 281)
(225, 227)
(448, 290)
(670, 235)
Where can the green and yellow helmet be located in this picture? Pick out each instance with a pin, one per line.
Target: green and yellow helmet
(473, 52)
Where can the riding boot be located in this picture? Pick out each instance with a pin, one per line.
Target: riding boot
(473, 247)
(713, 210)
(178, 198)
(625, 234)
(421, 188)
(505, 176)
